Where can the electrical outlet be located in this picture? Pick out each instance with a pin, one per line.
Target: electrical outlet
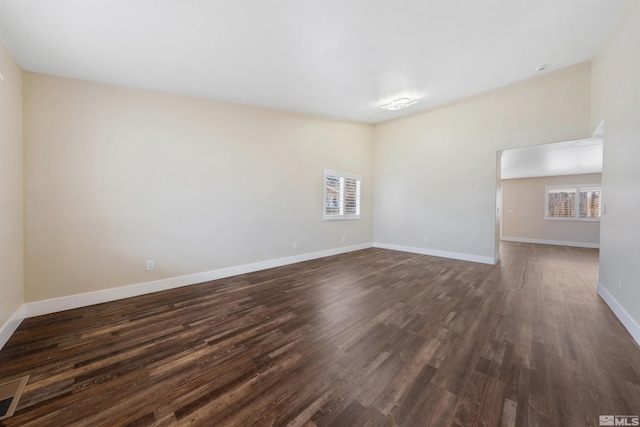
(344, 238)
(295, 245)
(151, 265)
(619, 282)
(426, 239)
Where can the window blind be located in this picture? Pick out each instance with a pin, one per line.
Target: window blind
(341, 195)
(575, 202)
(561, 203)
(590, 206)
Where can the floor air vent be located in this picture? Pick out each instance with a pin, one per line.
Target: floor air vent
(10, 393)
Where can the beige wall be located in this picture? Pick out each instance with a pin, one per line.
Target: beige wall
(616, 100)
(115, 176)
(436, 170)
(11, 242)
(523, 212)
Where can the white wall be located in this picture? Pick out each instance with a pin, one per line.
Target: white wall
(436, 170)
(11, 213)
(116, 176)
(524, 209)
(616, 100)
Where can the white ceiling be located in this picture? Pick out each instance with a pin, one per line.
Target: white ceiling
(560, 158)
(337, 58)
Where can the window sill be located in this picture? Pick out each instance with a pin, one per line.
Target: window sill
(573, 219)
(340, 218)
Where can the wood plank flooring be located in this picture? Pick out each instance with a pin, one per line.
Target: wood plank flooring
(369, 338)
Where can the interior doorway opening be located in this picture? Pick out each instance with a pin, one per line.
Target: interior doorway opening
(551, 193)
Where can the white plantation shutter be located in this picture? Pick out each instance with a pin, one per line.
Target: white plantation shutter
(573, 202)
(341, 195)
(561, 203)
(351, 196)
(332, 198)
(590, 206)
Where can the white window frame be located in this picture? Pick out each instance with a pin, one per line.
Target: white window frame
(341, 200)
(577, 188)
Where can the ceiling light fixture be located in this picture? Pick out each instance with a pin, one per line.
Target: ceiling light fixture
(542, 67)
(399, 103)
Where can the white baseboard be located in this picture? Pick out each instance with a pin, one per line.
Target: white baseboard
(551, 242)
(627, 321)
(438, 253)
(11, 325)
(82, 300)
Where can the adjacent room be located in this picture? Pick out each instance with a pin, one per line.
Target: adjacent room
(319, 213)
(552, 193)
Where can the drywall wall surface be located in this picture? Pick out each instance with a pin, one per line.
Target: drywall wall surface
(11, 193)
(524, 210)
(435, 171)
(616, 101)
(116, 176)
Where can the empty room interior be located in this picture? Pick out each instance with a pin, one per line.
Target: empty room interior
(319, 213)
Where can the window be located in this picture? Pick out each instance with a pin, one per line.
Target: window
(561, 203)
(341, 195)
(590, 202)
(573, 202)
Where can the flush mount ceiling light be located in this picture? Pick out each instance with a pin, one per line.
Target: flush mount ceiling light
(542, 67)
(399, 103)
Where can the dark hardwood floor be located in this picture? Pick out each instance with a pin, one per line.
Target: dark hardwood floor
(374, 337)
